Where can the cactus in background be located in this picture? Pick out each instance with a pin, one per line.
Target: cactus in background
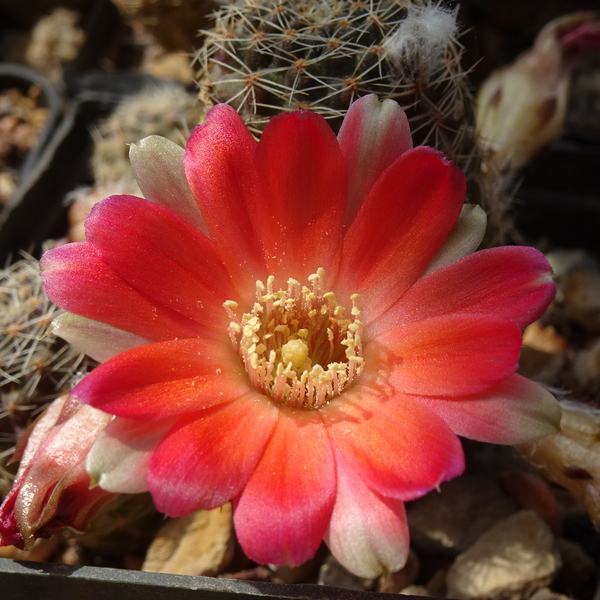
(269, 56)
(35, 367)
(167, 110)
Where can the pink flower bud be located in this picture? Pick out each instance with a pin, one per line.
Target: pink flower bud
(53, 488)
(522, 107)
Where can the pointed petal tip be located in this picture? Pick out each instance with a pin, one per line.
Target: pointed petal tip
(220, 115)
(150, 141)
(514, 411)
(544, 420)
(372, 136)
(551, 417)
(98, 340)
(464, 239)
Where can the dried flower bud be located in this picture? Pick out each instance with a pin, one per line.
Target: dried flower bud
(522, 107)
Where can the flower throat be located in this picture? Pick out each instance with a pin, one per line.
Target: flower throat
(297, 345)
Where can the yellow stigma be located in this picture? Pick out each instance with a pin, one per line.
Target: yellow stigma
(297, 345)
(295, 354)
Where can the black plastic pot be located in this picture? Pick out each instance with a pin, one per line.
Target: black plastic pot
(22, 580)
(13, 76)
(36, 212)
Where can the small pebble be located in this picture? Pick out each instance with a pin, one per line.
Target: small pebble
(450, 521)
(511, 560)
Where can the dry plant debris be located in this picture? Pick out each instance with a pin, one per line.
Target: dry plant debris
(21, 121)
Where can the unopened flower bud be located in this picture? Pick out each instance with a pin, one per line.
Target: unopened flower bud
(52, 488)
(522, 107)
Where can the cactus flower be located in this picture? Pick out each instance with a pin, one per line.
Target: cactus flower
(300, 325)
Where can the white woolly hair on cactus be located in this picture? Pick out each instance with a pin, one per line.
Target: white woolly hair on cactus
(418, 45)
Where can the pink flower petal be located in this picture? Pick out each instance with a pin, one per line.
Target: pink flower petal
(165, 379)
(299, 213)
(118, 461)
(284, 510)
(463, 239)
(373, 135)
(207, 458)
(368, 533)
(98, 340)
(76, 279)
(394, 444)
(514, 411)
(453, 355)
(162, 257)
(157, 164)
(220, 165)
(408, 214)
(512, 283)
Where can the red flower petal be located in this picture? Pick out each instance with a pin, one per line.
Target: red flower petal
(451, 355)
(403, 222)
(368, 533)
(395, 445)
(164, 379)
(300, 210)
(514, 411)
(78, 280)
(220, 165)
(162, 257)
(207, 458)
(284, 511)
(373, 135)
(512, 283)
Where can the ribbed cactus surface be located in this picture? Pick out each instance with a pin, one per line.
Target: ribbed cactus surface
(268, 56)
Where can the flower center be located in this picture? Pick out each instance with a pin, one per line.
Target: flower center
(297, 345)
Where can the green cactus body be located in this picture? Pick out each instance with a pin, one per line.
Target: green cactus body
(268, 56)
(166, 109)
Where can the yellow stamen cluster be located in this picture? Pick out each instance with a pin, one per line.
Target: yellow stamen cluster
(297, 345)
